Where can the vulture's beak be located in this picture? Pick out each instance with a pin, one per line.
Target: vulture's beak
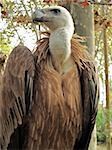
(39, 16)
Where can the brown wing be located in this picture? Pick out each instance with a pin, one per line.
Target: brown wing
(89, 93)
(16, 93)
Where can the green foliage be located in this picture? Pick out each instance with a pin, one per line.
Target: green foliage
(101, 123)
(5, 45)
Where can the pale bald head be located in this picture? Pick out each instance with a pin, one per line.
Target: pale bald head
(54, 17)
(60, 23)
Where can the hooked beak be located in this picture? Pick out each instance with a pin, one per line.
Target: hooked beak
(39, 16)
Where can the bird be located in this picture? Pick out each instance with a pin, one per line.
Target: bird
(49, 97)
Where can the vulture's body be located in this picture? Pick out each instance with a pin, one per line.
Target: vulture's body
(49, 97)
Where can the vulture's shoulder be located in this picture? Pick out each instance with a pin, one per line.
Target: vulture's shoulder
(87, 71)
(20, 59)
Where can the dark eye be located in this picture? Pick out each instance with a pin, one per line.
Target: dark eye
(56, 11)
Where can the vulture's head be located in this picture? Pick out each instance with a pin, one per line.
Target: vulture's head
(60, 23)
(54, 17)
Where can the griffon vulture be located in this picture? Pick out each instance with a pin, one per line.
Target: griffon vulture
(49, 97)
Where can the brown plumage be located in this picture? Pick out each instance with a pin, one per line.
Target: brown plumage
(2, 60)
(43, 109)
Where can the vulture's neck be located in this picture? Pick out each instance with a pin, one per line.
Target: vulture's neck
(60, 48)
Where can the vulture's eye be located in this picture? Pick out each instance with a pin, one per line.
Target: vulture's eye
(55, 11)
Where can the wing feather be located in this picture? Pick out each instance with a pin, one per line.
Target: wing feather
(89, 93)
(16, 92)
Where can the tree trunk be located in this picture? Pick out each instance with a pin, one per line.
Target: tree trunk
(84, 23)
(84, 26)
(107, 88)
(108, 136)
